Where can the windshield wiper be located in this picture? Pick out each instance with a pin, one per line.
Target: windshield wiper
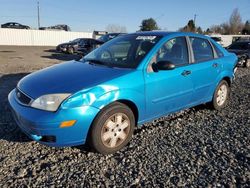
(94, 61)
(97, 62)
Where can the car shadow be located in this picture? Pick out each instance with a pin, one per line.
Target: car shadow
(171, 117)
(51, 50)
(60, 56)
(9, 130)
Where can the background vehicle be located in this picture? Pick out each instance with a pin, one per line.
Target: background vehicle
(242, 50)
(217, 39)
(226, 40)
(109, 36)
(79, 45)
(14, 25)
(130, 80)
(87, 46)
(61, 27)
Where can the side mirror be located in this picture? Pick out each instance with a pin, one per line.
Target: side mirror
(163, 65)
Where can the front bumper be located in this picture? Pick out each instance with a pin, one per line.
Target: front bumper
(44, 127)
(61, 48)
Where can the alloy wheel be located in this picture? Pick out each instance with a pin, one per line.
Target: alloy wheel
(222, 95)
(115, 130)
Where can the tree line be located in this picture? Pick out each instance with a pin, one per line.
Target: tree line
(233, 26)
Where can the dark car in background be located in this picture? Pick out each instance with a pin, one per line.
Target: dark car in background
(80, 45)
(217, 39)
(109, 36)
(14, 25)
(242, 50)
(61, 27)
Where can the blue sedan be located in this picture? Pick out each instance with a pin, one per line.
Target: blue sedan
(128, 81)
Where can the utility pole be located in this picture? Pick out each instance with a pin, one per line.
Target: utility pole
(195, 15)
(38, 14)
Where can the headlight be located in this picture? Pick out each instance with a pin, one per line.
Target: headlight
(49, 102)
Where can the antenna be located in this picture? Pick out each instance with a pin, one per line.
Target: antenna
(38, 14)
(195, 15)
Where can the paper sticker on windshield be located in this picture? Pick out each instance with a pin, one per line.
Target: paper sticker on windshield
(145, 37)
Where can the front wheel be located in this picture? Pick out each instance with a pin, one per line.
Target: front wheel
(70, 50)
(221, 95)
(247, 63)
(112, 129)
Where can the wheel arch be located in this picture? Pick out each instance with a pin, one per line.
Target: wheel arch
(132, 106)
(228, 80)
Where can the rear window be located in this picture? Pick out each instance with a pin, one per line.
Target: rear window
(202, 49)
(218, 51)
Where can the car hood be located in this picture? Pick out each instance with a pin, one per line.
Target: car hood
(68, 77)
(237, 52)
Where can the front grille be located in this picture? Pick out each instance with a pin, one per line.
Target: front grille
(23, 98)
(49, 139)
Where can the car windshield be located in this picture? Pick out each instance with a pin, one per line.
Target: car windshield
(76, 40)
(104, 38)
(126, 51)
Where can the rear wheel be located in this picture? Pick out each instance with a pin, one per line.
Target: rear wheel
(221, 95)
(112, 129)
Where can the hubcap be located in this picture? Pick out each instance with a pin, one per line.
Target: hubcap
(221, 95)
(115, 130)
(248, 63)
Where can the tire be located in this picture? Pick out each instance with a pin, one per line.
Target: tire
(247, 63)
(70, 50)
(221, 95)
(112, 129)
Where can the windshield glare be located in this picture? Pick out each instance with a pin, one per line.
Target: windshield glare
(125, 52)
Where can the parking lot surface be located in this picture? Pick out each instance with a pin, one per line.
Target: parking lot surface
(196, 147)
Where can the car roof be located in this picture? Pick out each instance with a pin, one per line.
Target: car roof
(167, 33)
(11, 23)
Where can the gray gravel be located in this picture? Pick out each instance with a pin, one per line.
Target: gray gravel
(196, 147)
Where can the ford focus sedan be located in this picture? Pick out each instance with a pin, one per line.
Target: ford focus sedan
(128, 81)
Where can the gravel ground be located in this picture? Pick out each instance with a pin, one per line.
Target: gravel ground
(196, 147)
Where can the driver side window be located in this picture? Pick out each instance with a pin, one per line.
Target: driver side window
(175, 51)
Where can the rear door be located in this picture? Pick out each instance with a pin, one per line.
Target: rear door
(206, 67)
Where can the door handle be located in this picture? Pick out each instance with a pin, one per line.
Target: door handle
(185, 73)
(215, 65)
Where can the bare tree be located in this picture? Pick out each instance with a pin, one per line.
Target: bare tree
(226, 29)
(216, 29)
(235, 22)
(233, 26)
(115, 28)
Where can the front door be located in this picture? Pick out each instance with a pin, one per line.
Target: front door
(169, 90)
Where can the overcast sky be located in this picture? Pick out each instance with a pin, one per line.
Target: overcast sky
(89, 15)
